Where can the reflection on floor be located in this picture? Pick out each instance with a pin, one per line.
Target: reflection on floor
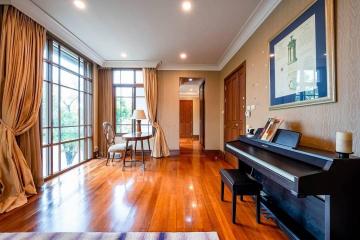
(178, 193)
(190, 144)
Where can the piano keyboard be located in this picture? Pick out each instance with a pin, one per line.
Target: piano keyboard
(264, 164)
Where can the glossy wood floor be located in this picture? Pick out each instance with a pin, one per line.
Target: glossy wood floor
(179, 193)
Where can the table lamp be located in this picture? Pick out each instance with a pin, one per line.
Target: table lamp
(138, 114)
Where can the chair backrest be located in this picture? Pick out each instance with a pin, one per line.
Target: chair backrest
(109, 133)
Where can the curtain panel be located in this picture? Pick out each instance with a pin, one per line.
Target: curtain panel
(160, 148)
(21, 75)
(106, 106)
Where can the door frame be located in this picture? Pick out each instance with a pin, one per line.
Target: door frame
(242, 65)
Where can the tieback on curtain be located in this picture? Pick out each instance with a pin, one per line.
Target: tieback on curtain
(7, 127)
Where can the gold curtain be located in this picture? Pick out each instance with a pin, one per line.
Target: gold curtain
(106, 106)
(21, 70)
(160, 148)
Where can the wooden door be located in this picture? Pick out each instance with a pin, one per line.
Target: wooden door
(202, 114)
(186, 118)
(234, 106)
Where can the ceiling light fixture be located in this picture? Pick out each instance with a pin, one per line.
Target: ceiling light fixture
(123, 55)
(190, 79)
(183, 55)
(186, 6)
(79, 4)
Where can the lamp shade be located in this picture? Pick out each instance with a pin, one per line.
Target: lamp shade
(138, 114)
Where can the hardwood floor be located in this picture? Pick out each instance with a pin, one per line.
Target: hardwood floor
(179, 193)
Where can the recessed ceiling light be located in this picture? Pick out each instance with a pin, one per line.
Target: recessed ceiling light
(190, 79)
(79, 4)
(186, 6)
(123, 55)
(183, 55)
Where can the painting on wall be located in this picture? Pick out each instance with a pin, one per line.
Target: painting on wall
(302, 68)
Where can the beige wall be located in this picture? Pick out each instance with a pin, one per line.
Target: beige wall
(168, 106)
(318, 123)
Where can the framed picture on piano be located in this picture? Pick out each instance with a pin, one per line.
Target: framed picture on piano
(302, 66)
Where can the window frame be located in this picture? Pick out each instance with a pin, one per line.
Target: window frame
(87, 95)
(133, 98)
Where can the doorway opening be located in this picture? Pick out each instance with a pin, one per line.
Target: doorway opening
(192, 114)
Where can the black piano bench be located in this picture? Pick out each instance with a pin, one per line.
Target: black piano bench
(241, 184)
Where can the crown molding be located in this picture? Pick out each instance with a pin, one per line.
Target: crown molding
(258, 16)
(189, 67)
(43, 18)
(130, 64)
(261, 12)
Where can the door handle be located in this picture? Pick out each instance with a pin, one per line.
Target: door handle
(236, 125)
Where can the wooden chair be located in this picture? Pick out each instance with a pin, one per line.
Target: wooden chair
(113, 147)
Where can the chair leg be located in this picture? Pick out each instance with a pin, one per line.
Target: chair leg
(258, 215)
(222, 191)
(241, 198)
(112, 158)
(233, 208)
(108, 158)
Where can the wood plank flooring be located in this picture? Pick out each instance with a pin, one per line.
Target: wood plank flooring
(178, 193)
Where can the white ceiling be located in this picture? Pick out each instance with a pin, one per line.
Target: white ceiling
(152, 30)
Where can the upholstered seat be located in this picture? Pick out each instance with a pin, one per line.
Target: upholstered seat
(113, 147)
(240, 183)
(118, 147)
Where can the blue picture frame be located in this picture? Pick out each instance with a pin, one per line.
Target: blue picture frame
(324, 92)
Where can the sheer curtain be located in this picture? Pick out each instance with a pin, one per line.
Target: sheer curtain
(106, 106)
(160, 148)
(21, 76)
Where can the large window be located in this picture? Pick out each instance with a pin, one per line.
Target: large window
(129, 95)
(66, 110)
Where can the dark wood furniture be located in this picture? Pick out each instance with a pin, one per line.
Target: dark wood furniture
(241, 184)
(311, 193)
(135, 137)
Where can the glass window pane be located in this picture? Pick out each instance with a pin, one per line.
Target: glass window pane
(69, 154)
(89, 116)
(45, 136)
(55, 103)
(69, 133)
(69, 60)
(82, 66)
(127, 77)
(88, 70)
(68, 79)
(116, 77)
(124, 92)
(45, 55)
(89, 131)
(140, 92)
(45, 71)
(82, 132)
(82, 109)
(45, 160)
(55, 56)
(45, 106)
(123, 110)
(82, 151)
(125, 129)
(56, 160)
(69, 107)
(82, 84)
(139, 76)
(55, 74)
(55, 135)
(89, 147)
(145, 128)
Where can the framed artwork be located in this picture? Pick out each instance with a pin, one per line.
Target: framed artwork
(302, 67)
